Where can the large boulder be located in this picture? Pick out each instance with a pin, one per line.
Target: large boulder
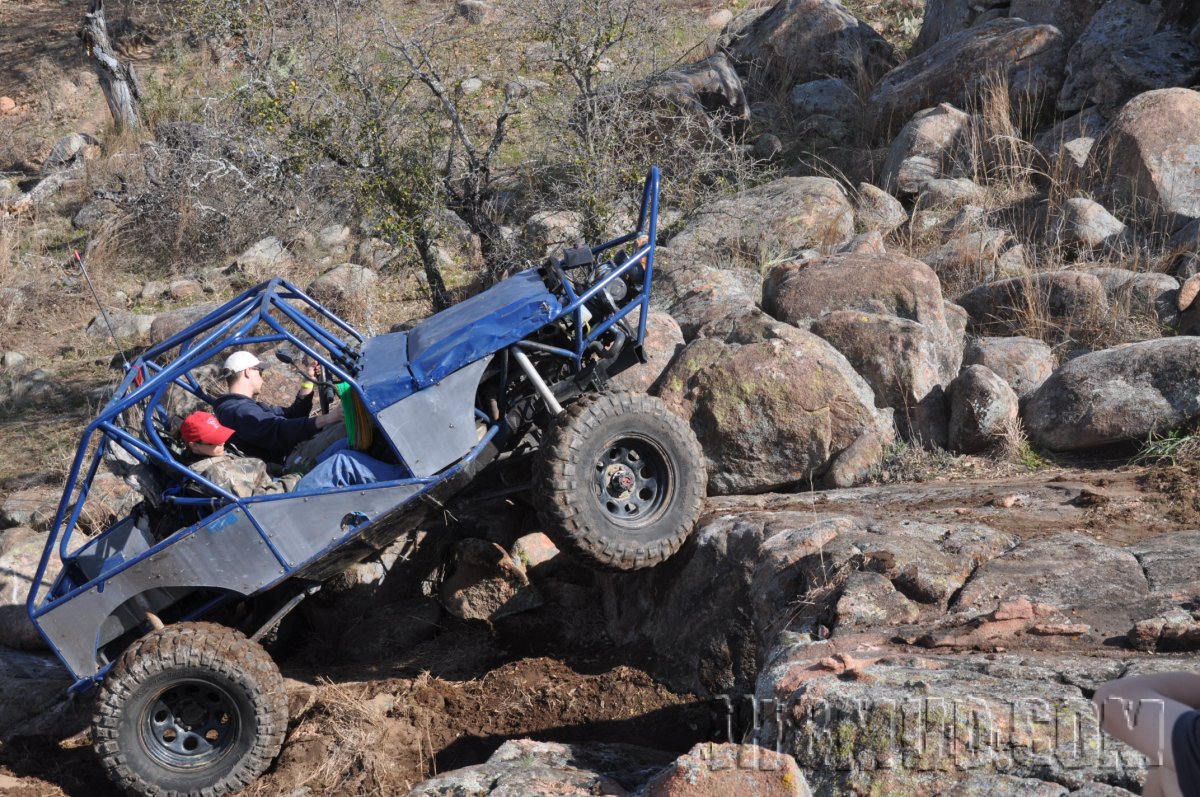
(1124, 51)
(710, 770)
(1086, 225)
(263, 258)
(949, 192)
(1066, 299)
(33, 697)
(1169, 563)
(32, 506)
(876, 209)
(695, 294)
(1148, 162)
(957, 321)
(768, 222)
(1066, 146)
(983, 410)
(664, 339)
(1084, 125)
(866, 719)
(827, 97)
(708, 580)
(771, 413)
(977, 256)
(38, 385)
(933, 144)
(347, 290)
(1143, 293)
(549, 231)
(1117, 395)
(1024, 363)
(126, 326)
(889, 284)
(899, 360)
(959, 68)
(708, 88)
(802, 40)
(174, 321)
(747, 581)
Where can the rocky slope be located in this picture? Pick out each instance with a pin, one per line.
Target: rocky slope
(1012, 271)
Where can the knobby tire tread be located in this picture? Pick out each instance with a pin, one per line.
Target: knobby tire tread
(560, 468)
(210, 646)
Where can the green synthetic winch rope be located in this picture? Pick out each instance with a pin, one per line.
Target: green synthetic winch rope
(359, 429)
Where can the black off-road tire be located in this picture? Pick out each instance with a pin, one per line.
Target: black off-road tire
(620, 481)
(192, 710)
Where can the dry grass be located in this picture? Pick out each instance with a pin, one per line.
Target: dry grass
(904, 462)
(1173, 449)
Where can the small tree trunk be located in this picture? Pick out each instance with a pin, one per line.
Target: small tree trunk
(116, 79)
(433, 273)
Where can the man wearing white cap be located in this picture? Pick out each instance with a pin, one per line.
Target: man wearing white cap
(263, 430)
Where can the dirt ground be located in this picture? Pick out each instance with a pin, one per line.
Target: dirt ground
(379, 729)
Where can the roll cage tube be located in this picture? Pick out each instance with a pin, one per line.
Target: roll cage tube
(647, 225)
(148, 377)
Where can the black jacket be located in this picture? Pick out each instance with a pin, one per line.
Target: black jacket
(265, 430)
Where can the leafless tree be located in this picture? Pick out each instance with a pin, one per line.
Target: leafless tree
(579, 38)
(117, 79)
(468, 170)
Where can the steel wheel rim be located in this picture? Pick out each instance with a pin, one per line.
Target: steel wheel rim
(632, 482)
(190, 724)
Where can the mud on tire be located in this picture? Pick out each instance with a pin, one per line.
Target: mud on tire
(192, 709)
(620, 481)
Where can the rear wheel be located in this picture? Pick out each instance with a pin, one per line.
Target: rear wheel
(620, 481)
(192, 709)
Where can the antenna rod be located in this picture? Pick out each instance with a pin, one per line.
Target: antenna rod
(103, 314)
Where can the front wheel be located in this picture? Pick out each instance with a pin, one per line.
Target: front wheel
(620, 480)
(192, 709)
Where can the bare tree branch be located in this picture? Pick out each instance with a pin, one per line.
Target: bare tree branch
(117, 80)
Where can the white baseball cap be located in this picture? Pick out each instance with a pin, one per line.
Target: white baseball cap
(240, 361)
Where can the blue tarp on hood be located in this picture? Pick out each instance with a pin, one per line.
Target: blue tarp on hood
(395, 365)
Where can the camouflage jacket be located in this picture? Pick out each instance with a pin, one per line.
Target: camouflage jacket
(243, 476)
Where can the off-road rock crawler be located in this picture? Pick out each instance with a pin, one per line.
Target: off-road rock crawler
(164, 609)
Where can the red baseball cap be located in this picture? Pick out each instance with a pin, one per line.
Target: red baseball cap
(203, 427)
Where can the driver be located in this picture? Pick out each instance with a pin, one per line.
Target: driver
(262, 430)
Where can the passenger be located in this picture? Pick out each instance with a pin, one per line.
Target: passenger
(263, 430)
(208, 442)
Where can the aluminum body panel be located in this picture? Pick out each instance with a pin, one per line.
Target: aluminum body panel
(227, 553)
(116, 546)
(436, 427)
(302, 526)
